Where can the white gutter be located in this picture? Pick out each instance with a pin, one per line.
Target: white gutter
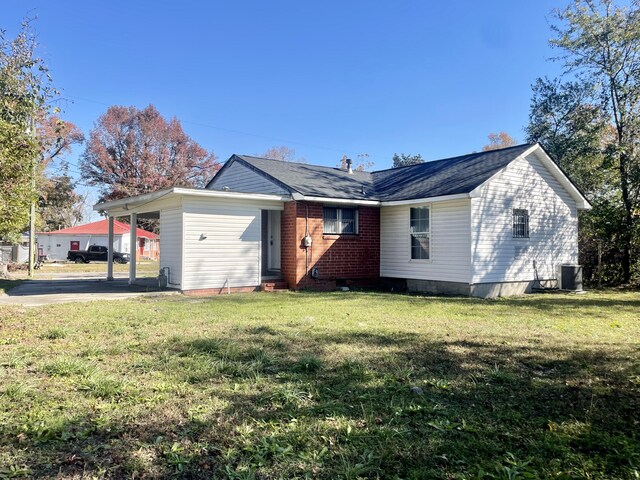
(377, 203)
(343, 201)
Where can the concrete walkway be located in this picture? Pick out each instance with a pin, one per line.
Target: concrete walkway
(33, 293)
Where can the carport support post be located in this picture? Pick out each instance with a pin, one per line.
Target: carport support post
(133, 247)
(110, 251)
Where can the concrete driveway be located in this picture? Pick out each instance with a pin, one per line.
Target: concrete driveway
(33, 293)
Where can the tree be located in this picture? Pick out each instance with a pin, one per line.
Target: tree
(59, 205)
(132, 152)
(25, 90)
(404, 160)
(57, 137)
(499, 140)
(573, 130)
(600, 44)
(283, 153)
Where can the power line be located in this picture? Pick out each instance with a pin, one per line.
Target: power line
(240, 132)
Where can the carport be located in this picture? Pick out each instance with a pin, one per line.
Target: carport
(211, 241)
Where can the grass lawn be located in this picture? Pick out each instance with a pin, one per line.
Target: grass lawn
(143, 268)
(308, 385)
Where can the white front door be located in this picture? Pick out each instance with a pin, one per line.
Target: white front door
(273, 260)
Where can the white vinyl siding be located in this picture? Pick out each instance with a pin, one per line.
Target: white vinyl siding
(222, 242)
(450, 243)
(240, 178)
(171, 244)
(553, 225)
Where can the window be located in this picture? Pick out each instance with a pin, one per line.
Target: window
(520, 223)
(419, 231)
(340, 221)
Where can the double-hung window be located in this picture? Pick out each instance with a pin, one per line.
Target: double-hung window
(520, 223)
(420, 233)
(340, 221)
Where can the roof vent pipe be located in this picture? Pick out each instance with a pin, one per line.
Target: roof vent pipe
(349, 164)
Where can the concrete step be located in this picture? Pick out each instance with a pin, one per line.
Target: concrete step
(271, 285)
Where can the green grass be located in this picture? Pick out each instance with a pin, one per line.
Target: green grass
(143, 268)
(308, 385)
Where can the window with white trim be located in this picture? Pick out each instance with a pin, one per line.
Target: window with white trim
(520, 223)
(420, 233)
(340, 221)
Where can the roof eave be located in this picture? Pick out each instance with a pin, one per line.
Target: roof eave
(132, 203)
(379, 203)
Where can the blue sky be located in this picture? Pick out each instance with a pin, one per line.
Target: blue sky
(325, 78)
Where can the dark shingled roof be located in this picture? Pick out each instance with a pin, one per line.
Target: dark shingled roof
(449, 176)
(444, 177)
(314, 180)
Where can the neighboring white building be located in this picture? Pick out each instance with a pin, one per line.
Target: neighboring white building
(55, 245)
(485, 224)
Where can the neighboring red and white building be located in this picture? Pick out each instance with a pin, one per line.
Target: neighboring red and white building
(57, 244)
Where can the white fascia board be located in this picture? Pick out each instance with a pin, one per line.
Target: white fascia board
(414, 201)
(223, 194)
(130, 203)
(123, 203)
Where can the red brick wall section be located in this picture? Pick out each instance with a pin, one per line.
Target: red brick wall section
(290, 241)
(352, 259)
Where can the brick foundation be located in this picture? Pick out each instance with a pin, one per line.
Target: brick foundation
(349, 260)
(219, 291)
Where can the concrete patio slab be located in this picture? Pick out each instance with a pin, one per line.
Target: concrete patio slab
(33, 293)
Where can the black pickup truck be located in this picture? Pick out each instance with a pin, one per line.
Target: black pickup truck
(96, 253)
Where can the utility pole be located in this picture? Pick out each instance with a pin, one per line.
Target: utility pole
(32, 216)
(32, 239)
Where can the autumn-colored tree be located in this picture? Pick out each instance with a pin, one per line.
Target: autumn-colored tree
(56, 138)
(132, 152)
(59, 206)
(361, 163)
(405, 159)
(499, 140)
(284, 153)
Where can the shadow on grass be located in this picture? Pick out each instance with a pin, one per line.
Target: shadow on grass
(546, 302)
(421, 409)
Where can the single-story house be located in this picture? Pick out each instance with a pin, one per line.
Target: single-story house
(485, 224)
(56, 244)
